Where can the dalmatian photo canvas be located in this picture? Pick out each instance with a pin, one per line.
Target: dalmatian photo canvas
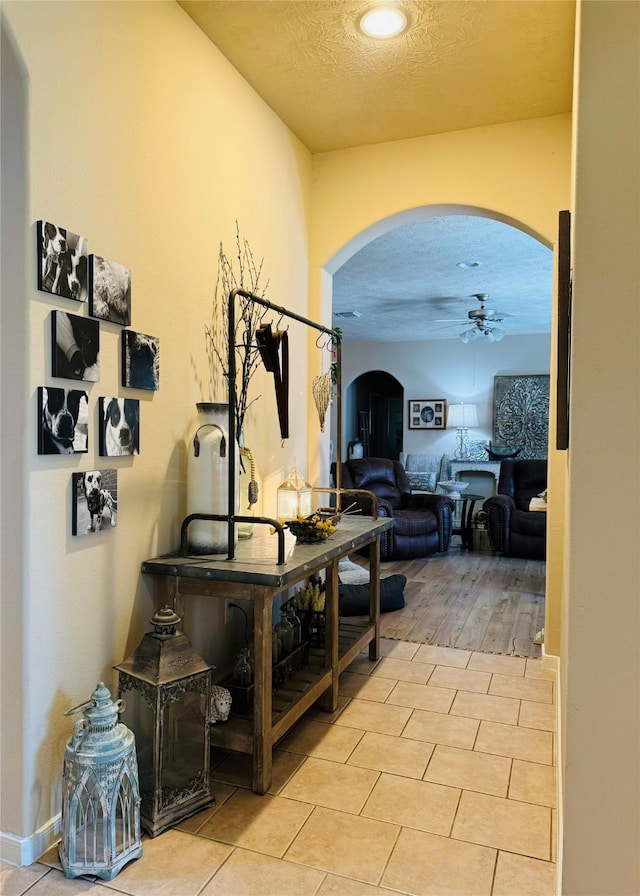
(62, 261)
(109, 290)
(119, 433)
(75, 347)
(95, 501)
(140, 360)
(63, 421)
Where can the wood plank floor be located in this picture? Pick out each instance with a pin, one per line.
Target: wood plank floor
(470, 600)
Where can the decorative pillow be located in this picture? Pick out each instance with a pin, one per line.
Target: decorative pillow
(421, 463)
(423, 482)
(354, 599)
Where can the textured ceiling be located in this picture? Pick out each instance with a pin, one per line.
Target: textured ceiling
(407, 285)
(460, 64)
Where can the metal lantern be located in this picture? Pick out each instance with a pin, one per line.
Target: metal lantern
(294, 496)
(100, 795)
(168, 688)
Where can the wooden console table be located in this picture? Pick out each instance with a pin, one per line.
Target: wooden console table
(254, 575)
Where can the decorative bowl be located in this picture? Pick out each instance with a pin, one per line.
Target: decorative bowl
(499, 452)
(312, 529)
(453, 488)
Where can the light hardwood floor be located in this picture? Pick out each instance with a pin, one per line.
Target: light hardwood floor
(470, 600)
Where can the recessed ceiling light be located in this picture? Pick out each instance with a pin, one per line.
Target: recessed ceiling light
(383, 21)
(468, 264)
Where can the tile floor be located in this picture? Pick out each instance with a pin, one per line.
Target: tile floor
(434, 777)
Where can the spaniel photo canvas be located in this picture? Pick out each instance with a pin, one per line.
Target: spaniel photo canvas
(95, 501)
(62, 261)
(109, 290)
(63, 421)
(119, 433)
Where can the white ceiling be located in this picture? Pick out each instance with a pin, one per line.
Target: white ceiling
(408, 283)
(460, 64)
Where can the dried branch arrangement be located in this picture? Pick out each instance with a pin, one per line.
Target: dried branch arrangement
(245, 274)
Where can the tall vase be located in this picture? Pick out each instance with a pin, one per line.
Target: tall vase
(208, 479)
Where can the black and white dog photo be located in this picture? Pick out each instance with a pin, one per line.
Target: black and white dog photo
(62, 421)
(140, 360)
(75, 350)
(109, 290)
(95, 498)
(119, 426)
(62, 262)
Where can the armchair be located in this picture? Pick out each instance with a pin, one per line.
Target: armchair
(513, 529)
(422, 521)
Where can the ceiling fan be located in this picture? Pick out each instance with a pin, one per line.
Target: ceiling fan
(482, 319)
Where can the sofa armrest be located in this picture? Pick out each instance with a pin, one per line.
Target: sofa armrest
(499, 509)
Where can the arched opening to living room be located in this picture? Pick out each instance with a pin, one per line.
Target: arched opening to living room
(407, 288)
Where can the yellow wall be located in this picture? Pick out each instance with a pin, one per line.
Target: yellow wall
(601, 619)
(126, 125)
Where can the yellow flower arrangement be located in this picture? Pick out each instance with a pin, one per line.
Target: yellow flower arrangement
(312, 529)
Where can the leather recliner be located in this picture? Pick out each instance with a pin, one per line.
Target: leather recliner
(422, 521)
(514, 530)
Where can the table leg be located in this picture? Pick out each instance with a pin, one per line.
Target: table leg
(330, 697)
(374, 597)
(262, 705)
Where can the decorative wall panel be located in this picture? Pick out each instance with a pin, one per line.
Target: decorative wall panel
(521, 413)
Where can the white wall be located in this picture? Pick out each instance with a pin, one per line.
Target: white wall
(601, 649)
(133, 130)
(446, 368)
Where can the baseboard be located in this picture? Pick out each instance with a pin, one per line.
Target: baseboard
(553, 664)
(27, 850)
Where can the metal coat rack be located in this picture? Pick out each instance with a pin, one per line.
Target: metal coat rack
(231, 517)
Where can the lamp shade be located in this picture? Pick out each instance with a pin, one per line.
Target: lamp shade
(462, 415)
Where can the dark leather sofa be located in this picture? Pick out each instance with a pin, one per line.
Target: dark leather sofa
(513, 529)
(422, 521)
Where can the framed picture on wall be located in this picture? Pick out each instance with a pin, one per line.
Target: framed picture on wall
(95, 501)
(427, 413)
(75, 349)
(63, 421)
(62, 261)
(140, 361)
(119, 432)
(109, 290)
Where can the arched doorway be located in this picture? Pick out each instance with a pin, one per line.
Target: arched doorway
(376, 401)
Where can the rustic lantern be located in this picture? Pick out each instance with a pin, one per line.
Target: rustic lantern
(168, 688)
(294, 496)
(100, 796)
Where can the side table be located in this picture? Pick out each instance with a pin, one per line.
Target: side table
(465, 530)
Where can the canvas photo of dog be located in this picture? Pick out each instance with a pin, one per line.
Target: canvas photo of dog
(75, 347)
(95, 501)
(109, 290)
(63, 421)
(119, 426)
(62, 261)
(140, 360)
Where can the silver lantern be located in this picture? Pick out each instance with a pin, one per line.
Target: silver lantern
(100, 792)
(168, 690)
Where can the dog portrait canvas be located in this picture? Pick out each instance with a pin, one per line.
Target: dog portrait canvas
(140, 361)
(95, 501)
(63, 421)
(119, 426)
(109, 290)
(75, 348)
(62, 261)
